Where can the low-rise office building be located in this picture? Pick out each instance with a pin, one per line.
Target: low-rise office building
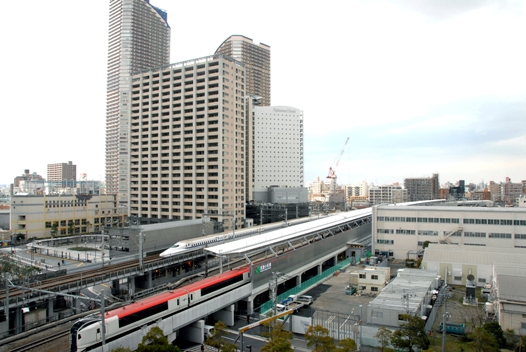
(508, 297)
(39, 216)
(409, 293)
(455, 263)
(403, 230)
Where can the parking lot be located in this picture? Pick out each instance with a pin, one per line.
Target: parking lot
(330, 295)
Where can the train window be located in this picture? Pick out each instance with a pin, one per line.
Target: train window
(192, 297)
(220, 285)
(79, 336)
(178, 301)
(143, 314)
(98, 331)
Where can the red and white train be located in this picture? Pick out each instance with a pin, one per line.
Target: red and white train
(124, 322)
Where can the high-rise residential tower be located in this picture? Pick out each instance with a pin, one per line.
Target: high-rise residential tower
(257, 64)
(187, 137)
(139, 38)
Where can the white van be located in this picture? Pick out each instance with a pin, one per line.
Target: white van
(208, 331)
(305, 299)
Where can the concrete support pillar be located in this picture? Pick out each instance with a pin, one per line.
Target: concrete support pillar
(50, 311)
(131, 286)
(298, 280)
(75, 304)
(226, 315)
(250, 305)
(149, 279)
(319, 269)
(335, 259)
(115, 287)
(19, 321)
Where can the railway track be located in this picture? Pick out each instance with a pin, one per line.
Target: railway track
(86, 276)
(40, 342)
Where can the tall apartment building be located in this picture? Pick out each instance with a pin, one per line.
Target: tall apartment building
(139, 38)
(61, 171)
(257, 64)
(423, 188)
(275, 154)
(188, 141)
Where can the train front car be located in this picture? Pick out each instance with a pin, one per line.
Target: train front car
(83, 333)
(178, 248)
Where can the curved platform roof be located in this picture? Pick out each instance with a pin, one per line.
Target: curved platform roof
(254, 243)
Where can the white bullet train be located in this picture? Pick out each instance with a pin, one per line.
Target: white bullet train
(204, 241)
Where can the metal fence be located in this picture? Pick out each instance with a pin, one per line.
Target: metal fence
(432, 316)
(340, 325)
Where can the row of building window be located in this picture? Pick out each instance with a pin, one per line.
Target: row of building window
(415, 219)
(455, 234)
(452, 220)
(364, 276)
(495, 222)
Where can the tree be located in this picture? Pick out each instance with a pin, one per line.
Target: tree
(155, 341)
(11, 270)
(54, 229)
(494, 329)
(475, 316)
(512, 341)
(318, 339)
(483, 341)
(410, 334)
(71, 227)
(425, 244)
(278, 340)
(121, 349)
(346, 345)
(216, 339)
(383, 335)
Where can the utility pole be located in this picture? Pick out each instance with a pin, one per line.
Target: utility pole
(445, 317)
(203, 232)
(273, 288)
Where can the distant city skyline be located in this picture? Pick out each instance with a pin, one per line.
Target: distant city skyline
(420, 88)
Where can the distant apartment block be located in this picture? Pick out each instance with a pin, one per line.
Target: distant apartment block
(30, 183)
(317, 186)
(387, 194)
(510, 191)
(139, 38)
(257, 63)
(61, 171)
(188, 142)
(424, 188)
(360, 190)
(35, 216)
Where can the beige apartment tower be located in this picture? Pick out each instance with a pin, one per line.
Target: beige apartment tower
(257, 64)
(188, 142)
(61, 172)
(139, 38)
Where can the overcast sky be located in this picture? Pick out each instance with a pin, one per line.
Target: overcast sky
(420, 87)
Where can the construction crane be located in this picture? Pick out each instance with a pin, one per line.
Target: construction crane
(332, 171)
